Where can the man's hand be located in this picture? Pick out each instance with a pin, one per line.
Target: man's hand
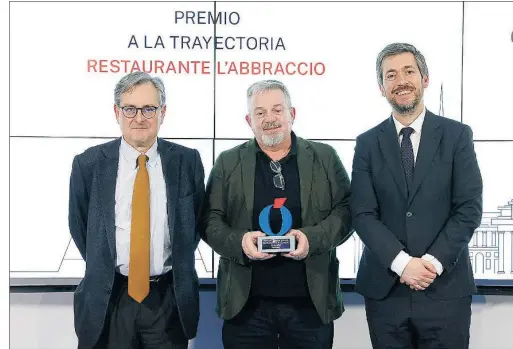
(418, 274)
(302, 245)
(249, 246)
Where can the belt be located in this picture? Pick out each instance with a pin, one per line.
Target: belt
(153, 279)
(159, 278)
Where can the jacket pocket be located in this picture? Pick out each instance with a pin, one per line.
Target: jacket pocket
(321, 195)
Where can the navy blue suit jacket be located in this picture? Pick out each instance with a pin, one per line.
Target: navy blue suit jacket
(92, 226)
(438, 216)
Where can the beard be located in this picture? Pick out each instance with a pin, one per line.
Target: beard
(273, 139)
(406, 108)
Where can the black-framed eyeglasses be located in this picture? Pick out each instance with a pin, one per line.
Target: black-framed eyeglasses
(278, 179)
(148, 111)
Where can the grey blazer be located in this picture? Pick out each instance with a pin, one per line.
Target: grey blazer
(91, 223)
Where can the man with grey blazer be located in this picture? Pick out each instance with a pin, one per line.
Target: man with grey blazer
(132, 215)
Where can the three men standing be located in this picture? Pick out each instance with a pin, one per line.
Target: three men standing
(137, 204)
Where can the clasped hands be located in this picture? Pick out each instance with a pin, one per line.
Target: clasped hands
(418, 274)
(249, 246)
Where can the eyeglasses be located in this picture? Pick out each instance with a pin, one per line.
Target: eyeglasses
(278, 179)
(148, 112)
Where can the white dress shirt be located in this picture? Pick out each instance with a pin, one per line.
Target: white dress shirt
(160, 250)
(402, 259)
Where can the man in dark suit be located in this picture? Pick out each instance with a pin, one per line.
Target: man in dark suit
(268, 299)
(132, 214)
(416, 201)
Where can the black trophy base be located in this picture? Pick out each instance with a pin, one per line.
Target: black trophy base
(273, 244)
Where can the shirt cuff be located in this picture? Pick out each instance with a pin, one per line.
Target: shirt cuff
(435, 262)
(400, 262)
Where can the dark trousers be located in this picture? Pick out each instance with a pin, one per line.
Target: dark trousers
(152, 324)
(273, 323)
(408, 319)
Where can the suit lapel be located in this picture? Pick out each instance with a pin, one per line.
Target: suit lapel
(389, 144)
(171, 163)
(107, 175)
(429, 142)
(305, 161)
(248, 161)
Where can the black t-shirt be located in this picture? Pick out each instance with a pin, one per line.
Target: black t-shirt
(278, 276)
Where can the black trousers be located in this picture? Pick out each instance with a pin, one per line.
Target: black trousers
(408, 319)
(272, 323)
(152, 324)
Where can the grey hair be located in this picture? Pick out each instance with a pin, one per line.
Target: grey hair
(129, 81)
(266, 85)
(395, 49)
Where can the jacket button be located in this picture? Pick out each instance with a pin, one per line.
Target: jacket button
(409, 214)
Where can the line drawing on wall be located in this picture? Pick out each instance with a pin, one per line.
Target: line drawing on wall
(490, 249)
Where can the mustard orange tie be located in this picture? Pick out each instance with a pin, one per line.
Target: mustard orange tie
(139, 265)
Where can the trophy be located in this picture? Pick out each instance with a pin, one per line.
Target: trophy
(273, 243)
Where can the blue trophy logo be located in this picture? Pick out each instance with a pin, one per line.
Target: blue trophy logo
(286, 218)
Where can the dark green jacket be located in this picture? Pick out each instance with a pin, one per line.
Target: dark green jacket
(227, 212)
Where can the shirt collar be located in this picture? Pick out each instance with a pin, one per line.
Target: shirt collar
(416, 125)
(131, 154)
